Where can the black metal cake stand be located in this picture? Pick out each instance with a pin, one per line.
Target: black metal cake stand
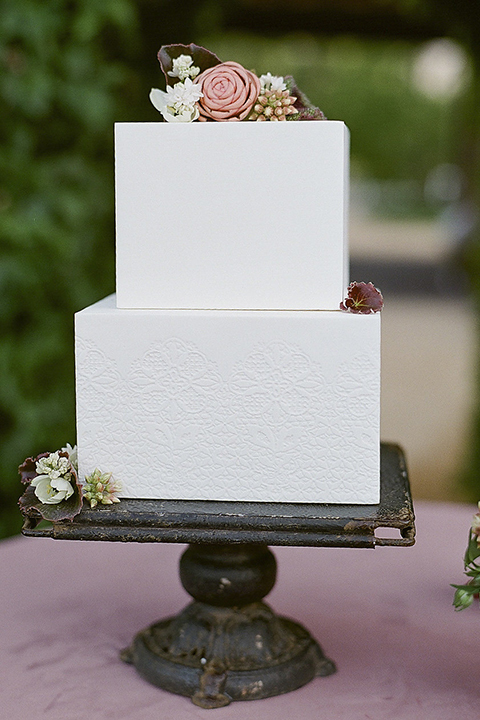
(227, 644)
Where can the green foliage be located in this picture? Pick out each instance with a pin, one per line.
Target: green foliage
(466, 594)
(61, 90)
(470, 259)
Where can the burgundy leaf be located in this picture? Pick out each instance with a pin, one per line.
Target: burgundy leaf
(362, 298)
(202, 58)
(31, 516)
(28, 500)
(28, 469)
(306, 109)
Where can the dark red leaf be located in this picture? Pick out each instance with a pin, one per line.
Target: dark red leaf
(28, 468)
(306, 109)
(362, 298)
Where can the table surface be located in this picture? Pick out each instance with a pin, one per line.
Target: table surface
(384, 616)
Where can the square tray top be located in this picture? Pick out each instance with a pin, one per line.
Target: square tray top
(219, 522)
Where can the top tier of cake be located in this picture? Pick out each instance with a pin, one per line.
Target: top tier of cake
(234, 215)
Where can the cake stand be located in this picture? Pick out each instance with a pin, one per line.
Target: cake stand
(227, 644)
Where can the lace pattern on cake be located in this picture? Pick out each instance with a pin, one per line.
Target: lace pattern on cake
(278, 427)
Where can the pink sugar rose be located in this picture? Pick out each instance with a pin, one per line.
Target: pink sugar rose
(229, 92)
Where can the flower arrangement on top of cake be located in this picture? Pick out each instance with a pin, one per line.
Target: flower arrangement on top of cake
(202, 87)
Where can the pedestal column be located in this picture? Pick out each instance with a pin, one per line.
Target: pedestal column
(227, 644)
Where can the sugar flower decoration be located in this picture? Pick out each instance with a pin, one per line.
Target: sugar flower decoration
(179, 103)
(72, 454)
(202, 87)
(362, 298)
(273, 105)
(52, 491)
(272, 82)
(229, 92)
(101, 488)
(54, 480)
(183, 68)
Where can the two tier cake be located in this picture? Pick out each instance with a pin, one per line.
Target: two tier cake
(224, 368)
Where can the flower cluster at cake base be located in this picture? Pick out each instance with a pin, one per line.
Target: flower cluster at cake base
(53, 491)
(101, 488)
(199, 86)
(466, 594)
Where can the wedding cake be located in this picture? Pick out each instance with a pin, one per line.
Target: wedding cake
(224, 367)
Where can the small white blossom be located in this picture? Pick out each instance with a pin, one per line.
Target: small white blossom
(53, 466)
(272, 82)
(72, 454)
(51, 491)
(183, 68)
(179, 103)
(53, 482)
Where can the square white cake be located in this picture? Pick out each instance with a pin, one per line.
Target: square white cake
(235, 215)
(230, 405)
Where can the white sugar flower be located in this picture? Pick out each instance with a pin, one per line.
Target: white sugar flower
(272, 82)
(72, 454)
(184, 94)
(53, 466)
(183, 68)
(179, 103)
(53, 482)
(51, 490)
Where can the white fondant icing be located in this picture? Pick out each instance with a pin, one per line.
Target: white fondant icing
(230, 405)
(232, 215)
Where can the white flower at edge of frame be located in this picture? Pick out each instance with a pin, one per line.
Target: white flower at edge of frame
(272, 82)
(51, 492)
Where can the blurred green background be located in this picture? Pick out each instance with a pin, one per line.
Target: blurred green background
(70, 69)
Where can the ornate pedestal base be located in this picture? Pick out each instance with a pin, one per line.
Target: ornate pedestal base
(227, 645)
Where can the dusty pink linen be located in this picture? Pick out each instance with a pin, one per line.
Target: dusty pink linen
(385, 617)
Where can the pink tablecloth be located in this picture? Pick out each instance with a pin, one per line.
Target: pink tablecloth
(385, 616)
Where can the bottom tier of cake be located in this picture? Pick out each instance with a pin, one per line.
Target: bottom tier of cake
(273, 406)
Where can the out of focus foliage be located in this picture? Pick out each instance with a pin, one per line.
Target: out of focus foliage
(398, 134)
(62, 86)
(69, 70)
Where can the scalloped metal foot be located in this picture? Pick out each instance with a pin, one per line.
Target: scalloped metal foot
(218, 655)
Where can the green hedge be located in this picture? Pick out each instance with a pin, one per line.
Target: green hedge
(62, 86)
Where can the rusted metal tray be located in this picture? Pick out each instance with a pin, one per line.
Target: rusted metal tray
(391, 522)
